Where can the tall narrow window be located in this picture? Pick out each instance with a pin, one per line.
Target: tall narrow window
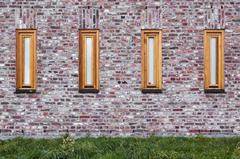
(26, 60)
(88, 61)
(151, 60)
(214, 60)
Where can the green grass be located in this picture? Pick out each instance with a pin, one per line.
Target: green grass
(121, 148)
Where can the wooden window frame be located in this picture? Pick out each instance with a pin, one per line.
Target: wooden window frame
(219, 87)
(83, 87)
(20, 86)
(157, 87)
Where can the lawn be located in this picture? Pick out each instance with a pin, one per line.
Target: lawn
(121, 148)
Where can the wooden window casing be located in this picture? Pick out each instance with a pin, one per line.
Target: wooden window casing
(88, 77)
(23, 35)
(155, 36)
(217, 65)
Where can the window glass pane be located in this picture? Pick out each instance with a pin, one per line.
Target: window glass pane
(151, 60)
(27, 59)
(89, 49)
(213, 61)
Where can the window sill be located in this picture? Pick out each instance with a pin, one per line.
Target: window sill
(214, 91)
(88, 91)
(151, 90)
(18, 91)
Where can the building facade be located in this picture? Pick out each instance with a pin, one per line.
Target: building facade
(119, 108)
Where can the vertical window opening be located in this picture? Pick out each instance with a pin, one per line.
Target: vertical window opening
(88, 60)
(151, 60)
(26, 60)
(89, 63)
(26, 72)
(214, 61)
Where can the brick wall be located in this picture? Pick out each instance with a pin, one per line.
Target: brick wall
(119, 109)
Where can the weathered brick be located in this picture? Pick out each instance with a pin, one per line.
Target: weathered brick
(119, 109)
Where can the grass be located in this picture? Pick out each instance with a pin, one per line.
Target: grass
(121, 148)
